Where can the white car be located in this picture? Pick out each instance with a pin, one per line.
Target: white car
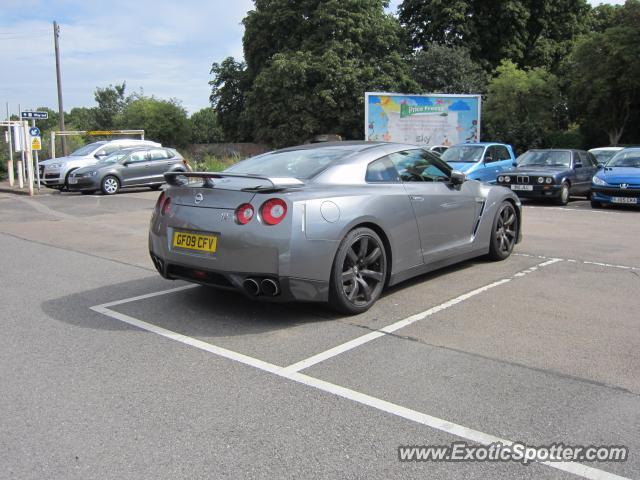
(603, 154)
(54, 173)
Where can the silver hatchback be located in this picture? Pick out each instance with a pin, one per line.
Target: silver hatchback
(130, 167)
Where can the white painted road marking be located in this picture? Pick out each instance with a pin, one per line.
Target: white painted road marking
(346, 393)
(585, 262)
(322, 356)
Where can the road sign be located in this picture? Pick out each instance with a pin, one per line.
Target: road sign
(34, 131)
(36, 143)
(37, 115)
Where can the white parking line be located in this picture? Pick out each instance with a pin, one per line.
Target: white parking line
(569, 209)
(322, 356)
(337, 390)
(585, 262)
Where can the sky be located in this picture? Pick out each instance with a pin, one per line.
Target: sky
(161, 48)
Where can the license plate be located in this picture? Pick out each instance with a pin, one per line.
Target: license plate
(632, 200)
(72, 180)
(194, 241)
(527, 188)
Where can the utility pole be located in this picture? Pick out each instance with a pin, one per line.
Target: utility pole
(56, 35)
(10, 164)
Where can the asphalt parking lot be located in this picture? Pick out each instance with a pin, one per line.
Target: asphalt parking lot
(107, 370)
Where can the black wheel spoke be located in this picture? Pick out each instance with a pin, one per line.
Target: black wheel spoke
(354, 291)
(348, 276)
(352, 255)
(373, 256)
(510, 220)
(377, 276)
(364, 245)
(366, 290)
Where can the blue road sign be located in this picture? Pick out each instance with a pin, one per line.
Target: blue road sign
(37, 115)
(34, 131)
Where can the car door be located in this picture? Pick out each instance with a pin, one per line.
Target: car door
(161, 161)
(583, 172)
(137, 168)
(504, 158)
(490, 165)
(445, 213)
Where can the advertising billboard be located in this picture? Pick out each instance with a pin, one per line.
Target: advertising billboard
(434, 119)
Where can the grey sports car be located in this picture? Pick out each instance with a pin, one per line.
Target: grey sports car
(332, 222)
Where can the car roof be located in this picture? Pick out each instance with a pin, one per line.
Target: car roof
(606, 148)
(483, 144)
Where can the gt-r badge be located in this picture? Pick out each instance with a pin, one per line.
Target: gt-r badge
(199, 198)
(225, 216)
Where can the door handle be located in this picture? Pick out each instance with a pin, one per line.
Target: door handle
(417, 198)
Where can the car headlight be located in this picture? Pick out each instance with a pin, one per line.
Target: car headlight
(507, 179)
(540, 179)
(598, 181)
(549, 180)
(55, 165)
(501, 179)
(94, 173)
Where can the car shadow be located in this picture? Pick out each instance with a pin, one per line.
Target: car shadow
(206, 311)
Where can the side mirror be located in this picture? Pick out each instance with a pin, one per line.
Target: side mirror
(126, 163)
(488, 159)
(514, 164)
(458, 178)
(99, 156)
(601, 166)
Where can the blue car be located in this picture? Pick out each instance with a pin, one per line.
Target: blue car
(554, 174)
(618, 183)
(480, 161)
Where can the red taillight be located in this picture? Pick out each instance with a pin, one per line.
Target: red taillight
(166, 206)
(160, 200)
(244, 213)
(273, 211)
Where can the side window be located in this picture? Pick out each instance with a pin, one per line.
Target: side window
(158, 154)
(593, 159)
(137, 157)
(420, 166)
(490, 155)
(582, 158)
(170, 153)
(501, 152)
(381, 171)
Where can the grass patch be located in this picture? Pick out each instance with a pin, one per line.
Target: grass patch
(213, 163)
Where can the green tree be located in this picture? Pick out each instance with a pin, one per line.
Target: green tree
(309, 63)
(527, 32)
(445, 69)
(204, 126)
(82, 118)
(111, 102)
(605, 76)
(228, 89)
(164, 121)
(523, 107)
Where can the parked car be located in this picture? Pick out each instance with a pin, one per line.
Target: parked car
(604, 154)
(618, 182)
(554, 173)
(333, 222)
(130, 167)
(54, 173)
(437, 149)
(480, 161)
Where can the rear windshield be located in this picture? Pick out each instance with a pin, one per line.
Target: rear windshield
(545, 158)
(300, 164)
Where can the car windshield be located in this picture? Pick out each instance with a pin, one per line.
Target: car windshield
(300, 164)
(603, 156)
(463, 153)
(86, 150)
(545, 158)
(630, 158)
(114, 157)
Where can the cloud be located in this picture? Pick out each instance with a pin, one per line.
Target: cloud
(164, 48)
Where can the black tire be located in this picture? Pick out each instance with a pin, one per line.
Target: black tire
(359, 272)
(504, 232)
(110, 185)
(565, 194)
(596, 204)
(87, 192)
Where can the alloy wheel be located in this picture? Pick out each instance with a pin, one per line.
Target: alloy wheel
(363, 270)
(110, 185)
(505, 231)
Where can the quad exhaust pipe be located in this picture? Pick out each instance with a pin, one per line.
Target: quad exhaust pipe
(269, 287)
(266, 286)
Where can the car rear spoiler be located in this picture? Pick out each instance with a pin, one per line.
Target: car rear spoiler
(276, 183)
